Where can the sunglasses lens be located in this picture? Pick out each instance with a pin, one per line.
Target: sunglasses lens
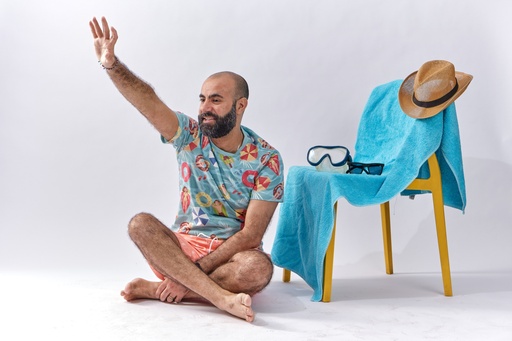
(375, 169)
(355, 170)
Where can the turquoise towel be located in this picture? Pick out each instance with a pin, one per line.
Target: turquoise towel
(386, 135)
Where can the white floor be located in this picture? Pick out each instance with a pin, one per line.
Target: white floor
(410, 306)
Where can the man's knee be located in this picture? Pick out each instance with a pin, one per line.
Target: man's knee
(256, 268)
(139, 225)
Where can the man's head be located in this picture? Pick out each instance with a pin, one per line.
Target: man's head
(224, 97)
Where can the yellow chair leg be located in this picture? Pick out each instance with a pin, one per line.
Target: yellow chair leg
(329, 262)
(286, 275)
(434, 185)
(386, 235)
(437, 197)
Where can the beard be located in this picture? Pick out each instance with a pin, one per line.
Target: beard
(222, 125)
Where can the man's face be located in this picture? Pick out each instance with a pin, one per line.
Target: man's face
(217, 111)
(215, 126)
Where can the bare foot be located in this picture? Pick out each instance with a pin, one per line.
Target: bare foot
(140, 289)
(239, 305)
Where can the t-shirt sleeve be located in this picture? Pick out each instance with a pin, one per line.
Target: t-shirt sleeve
(187, 132)
(269, 183)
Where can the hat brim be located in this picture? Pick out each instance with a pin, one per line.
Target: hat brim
(406, 90)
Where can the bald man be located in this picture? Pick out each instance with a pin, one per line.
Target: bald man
(231, 182)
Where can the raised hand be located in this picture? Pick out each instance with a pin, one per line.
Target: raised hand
(105, 39)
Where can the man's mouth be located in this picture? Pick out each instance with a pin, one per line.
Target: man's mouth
(206, 118)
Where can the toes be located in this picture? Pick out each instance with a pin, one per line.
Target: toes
(249, 315)
(245, 299)
(246, 302)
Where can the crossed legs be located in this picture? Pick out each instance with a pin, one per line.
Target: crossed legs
(228, 287)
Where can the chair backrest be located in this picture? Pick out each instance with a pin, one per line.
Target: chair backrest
(403, 144)
(386, 133)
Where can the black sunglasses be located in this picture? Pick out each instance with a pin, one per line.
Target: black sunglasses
(368, 168)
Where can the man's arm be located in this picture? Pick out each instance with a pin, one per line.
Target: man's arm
(259, 214)
(139, 93)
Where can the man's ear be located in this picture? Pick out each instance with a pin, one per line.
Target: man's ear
(241, 105)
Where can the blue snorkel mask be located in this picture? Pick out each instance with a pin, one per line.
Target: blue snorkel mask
(329, 158)
(337, 159)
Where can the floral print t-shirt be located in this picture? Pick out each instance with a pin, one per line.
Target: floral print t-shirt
(216, 186)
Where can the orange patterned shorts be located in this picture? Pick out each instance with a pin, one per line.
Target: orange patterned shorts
(194, 247)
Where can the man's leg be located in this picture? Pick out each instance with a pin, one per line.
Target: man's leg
(161, 249)
(248, 271)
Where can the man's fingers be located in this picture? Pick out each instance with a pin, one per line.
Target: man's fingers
(160, 289)
(96, 29)
(167, 290)
(106, 30)
(163, 296)
(114, 35)
(165, 293)
(93, 30)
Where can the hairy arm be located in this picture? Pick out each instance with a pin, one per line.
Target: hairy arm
(139, 93)
(143, 97)
(259, 214)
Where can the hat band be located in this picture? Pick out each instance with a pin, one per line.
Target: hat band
(439, 101)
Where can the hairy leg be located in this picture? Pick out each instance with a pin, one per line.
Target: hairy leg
(247, 271)
(161, 248)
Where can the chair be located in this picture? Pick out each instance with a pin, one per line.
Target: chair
(441, 156)
(434, 185)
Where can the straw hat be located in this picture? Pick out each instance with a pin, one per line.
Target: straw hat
(432, 88)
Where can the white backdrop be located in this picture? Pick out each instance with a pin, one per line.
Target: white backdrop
(77, 161)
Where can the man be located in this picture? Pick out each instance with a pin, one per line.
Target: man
(231, 182)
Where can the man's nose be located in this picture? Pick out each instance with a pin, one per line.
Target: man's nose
(205, 107)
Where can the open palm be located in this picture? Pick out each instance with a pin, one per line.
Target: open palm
(105, 39)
